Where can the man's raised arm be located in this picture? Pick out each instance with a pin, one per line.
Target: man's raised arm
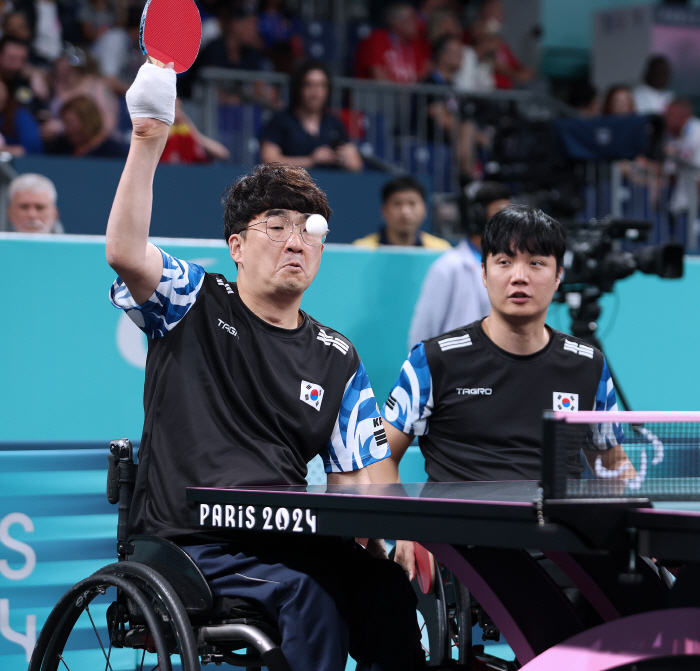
(151, 102)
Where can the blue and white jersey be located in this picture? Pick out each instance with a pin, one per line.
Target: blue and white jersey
(606, 435)
(358, 438)
(176, 293)
(410, 402)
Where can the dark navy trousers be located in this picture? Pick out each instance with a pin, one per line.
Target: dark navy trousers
(327, 596)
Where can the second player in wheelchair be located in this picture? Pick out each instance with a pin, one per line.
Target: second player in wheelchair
(474, 396)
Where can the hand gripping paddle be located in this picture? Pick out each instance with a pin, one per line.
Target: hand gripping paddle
(171, 32)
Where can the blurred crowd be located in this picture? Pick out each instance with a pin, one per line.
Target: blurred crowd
(65, 65)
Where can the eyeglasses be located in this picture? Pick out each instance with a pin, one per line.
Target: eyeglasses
(280, 229)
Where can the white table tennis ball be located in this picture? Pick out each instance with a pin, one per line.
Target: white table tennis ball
(316, 224)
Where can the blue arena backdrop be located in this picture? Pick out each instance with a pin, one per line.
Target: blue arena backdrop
(72, 374)
(354, 197)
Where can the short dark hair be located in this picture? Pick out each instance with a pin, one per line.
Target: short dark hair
(10, 39)
(402, 183)
(270, 186)
(297, 76)
(440, 45)
(489, 192)
(658, 72)
(525, 229)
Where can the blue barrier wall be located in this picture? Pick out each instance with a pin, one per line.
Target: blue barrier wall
(86, 189)
(71, 370)
(72, 365)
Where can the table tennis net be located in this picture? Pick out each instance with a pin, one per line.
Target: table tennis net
(663, 447)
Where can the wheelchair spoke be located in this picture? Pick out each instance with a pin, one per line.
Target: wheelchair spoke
(99, 640)
(143, 658)
(64, 662)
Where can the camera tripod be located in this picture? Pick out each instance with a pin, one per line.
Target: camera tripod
(584, 310)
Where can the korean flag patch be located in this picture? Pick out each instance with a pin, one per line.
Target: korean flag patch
(312, 394)
(562, 400)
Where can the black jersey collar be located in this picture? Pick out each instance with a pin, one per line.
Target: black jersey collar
(277, 331)
(509, 355)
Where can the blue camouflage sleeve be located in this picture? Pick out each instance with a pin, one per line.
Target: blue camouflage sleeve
(175, 294)
(358, 437)
(410, 402)
(608, 434)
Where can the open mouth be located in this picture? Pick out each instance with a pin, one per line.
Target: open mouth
(519, 297)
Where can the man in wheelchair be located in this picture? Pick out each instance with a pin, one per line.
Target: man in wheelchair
(244, 388)
(474, 396)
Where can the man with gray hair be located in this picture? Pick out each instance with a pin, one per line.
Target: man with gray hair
(32, 207)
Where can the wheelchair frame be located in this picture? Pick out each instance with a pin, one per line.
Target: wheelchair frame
(163, 602)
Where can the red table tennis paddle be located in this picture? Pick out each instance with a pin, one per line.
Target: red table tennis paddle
(171, 32)
(425, 568)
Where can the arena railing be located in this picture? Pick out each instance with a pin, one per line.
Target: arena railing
(666, 194)
(389, 122)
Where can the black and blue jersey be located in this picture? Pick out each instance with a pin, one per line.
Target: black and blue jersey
(232, 400)
(477, 409)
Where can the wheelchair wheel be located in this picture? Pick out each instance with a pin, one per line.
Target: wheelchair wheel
(459, 616)
(117, 622)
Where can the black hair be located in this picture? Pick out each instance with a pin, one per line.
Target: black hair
(402, 183)
(474, 202)
(658, 72)
(488, 192)
(271, 186)
(9, 39)
(296, 80)
(581, 94)
(525, 229)
(440, 45)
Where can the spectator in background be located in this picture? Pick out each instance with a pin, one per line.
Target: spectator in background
(444, 123)
(240, 47)
(96, 17)
(509, 71)
(683, 151)
(76, 73)
(476, 69)
(453, 292)
(15, 24)
(19, 130)
(403, 212)
(26, 84)
(84, 133)
(118, 53)
(619, 101)
(396, 53)
(32, 207)
(426, 11)
(306, 134)
(44, 18)
(280, 31)
(653, 96)
(186, 144)
(583, 97)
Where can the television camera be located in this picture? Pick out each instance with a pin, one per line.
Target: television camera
(600, 252)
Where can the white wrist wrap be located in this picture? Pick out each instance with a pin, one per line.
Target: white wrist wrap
(152, 95)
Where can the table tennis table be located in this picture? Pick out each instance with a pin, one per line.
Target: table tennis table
(485, 532)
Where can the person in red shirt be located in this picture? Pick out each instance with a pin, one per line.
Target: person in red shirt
(186, 144)
(508, 70)
(396, 53)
